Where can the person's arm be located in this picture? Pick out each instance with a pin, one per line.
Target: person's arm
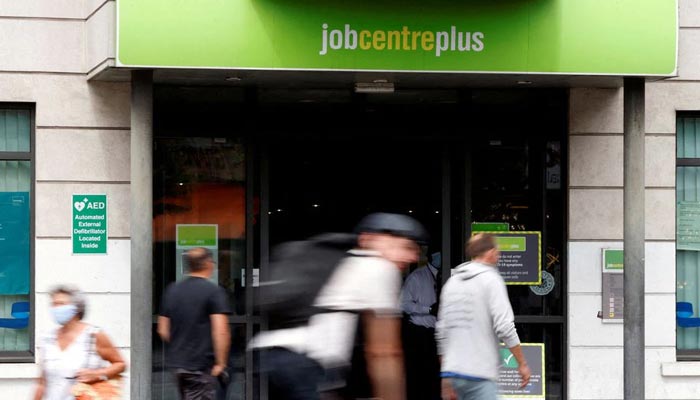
(409, 298)
(501, 312)
(164, 328)
(41, 380)
(504, 326)
(384, 355)
(40, 386)
(107, 351)
(221, 337)
(446, 390)
(523, 368)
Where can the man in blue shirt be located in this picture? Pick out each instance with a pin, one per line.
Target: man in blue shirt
(419, 303)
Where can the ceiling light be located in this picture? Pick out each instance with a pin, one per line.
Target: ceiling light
(232, 79)
(374, 87)
(524, 82)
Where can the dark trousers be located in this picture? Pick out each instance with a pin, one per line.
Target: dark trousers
(291, 376)
(422, 363)
(196, 386)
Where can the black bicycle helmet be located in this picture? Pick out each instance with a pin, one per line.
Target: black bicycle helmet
(393, 224)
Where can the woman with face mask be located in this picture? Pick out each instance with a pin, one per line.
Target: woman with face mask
(74, 351)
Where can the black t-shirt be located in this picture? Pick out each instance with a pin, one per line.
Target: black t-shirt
(189, 304)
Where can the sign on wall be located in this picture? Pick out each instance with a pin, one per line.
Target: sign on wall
(622, 37)
(189, 236)
(509, 378)
(613, 288)
(89, 223)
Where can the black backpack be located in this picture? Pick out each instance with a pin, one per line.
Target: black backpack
(298, 271)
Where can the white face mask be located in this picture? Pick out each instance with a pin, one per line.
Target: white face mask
(63, 314)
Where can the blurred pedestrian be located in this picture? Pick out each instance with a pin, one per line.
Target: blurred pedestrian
(475, 315)
(419, 303)
(360, 299)
(193, 322)
(74, 352)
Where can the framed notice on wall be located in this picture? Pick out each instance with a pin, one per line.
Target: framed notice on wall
(613, 288)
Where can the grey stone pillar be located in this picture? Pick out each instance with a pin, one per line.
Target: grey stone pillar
(141, 233)
(633, 200)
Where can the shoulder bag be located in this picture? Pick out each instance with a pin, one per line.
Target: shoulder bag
(111, 389)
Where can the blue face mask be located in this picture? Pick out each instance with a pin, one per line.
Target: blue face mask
(63, 314)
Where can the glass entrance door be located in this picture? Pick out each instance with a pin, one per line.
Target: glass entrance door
(287, 171)
(200, 199)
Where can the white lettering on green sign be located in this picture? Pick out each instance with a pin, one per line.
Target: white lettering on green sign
(406, 39)
(89, 224)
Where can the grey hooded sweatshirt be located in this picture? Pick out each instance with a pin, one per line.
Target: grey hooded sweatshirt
(475, 315)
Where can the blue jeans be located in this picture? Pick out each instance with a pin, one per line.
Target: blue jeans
(292, 376)
(474, 390)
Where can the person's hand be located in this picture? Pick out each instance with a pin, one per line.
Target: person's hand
(216, 371)
(434, 309)
(89, 375)
(448, 393)
(525, 372)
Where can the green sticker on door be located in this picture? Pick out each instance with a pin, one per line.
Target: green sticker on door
(189, 236)
(509, 378)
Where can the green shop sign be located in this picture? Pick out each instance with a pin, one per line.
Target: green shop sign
(621, 37)
(89, 223)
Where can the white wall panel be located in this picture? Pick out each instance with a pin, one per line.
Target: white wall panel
(82, 155)
(92, 273)
(42, 45)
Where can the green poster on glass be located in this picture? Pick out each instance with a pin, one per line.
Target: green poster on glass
(89, 223)
(490, 227)
(189, 236)
(520, 262)
(509, 378)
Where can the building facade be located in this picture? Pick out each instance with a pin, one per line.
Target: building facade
(268, 154)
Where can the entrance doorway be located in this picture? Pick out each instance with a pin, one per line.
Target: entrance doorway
(269, 168)
(327, 184)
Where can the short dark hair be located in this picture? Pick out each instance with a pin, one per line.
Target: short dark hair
(196, 258)
(479, 244)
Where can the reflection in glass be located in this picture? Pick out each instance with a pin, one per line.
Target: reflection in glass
(200, 181)
(15, 185)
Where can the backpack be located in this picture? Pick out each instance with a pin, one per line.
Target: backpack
(297, 273)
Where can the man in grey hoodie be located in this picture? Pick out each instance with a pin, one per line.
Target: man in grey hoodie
(475, 315)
